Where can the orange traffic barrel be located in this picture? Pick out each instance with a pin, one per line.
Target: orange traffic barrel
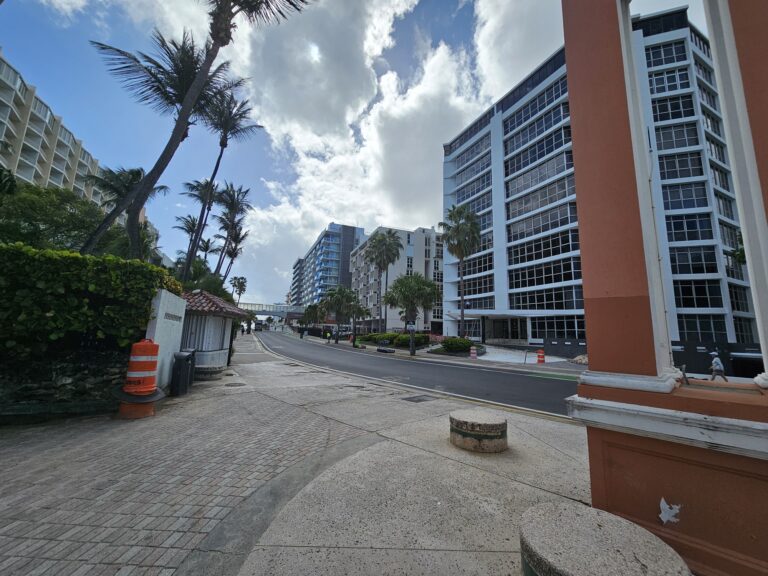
(139, 392)
(473, 353)
(540, 356)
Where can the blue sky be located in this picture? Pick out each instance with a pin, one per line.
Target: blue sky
(356, 97)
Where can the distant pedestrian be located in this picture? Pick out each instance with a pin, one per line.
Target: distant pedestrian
(717, 367)
(242, 329)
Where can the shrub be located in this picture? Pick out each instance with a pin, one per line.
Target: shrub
(52, 297)
(389, 336)
(455, 344)
(404, 340)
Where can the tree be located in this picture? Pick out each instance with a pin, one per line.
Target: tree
(228, 117)
(187, 224)
(357, 311)
(383, 250)
(238, 284)
(46, 217)
(7, 182)
(234, 204)
(208, 247)
(339, 300)
(115, 185)
(461, 235)
(222, 16)
(235, 249)
(117, 243)
(163, 82)
(410, 293)
(311, 315)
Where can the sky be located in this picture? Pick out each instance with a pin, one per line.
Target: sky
(356, 98)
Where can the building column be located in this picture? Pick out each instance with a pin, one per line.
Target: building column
(739, 43)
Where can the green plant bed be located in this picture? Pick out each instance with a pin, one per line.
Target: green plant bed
(442, 351)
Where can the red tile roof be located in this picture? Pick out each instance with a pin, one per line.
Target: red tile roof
(201, 302)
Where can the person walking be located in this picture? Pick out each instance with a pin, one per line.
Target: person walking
(717, 367)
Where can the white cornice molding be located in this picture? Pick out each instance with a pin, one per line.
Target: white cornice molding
(665, 383)
(743, 437)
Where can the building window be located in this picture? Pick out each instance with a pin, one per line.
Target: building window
(681, 196)
(474, 187)
(468, 134)
(702, 328)
(716, 151)
(724, 206)
(479, 285)
(698, 294)
(545, 247)
(436, 265)
(564, 298)
(409, 265)
(485, 303)
(669, 80)
(543, 147)
(720, 177)
(693, 260)
(708, 97)
(547, 273)
(665, 54)
(685, 165)
(480, 146)
(687, 227)
(700, 42)
(745, 333)
(535, 106)
(539, 174)
(555, 218)
(711, 123)
(486, 241)
(427, 253)
(729, 235)
(485, 221)
(704, 72)
(558, 327)
(733, 268)
(677, 136)
(672, 108)
(437, 276)
(478, 264)
(473, 169)
(537, 128)
(739, 298)
(550, 194)
(481, 203)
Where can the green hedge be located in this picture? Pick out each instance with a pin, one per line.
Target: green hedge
(60, 299)
(404, 340)
(455, 344)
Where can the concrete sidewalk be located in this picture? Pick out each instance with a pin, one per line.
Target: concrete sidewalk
(278, 468)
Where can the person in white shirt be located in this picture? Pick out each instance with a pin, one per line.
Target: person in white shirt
(717, 367)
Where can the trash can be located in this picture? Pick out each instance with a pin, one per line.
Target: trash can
(182, 372)
(193, 352)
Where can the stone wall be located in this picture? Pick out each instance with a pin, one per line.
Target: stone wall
(77, 383)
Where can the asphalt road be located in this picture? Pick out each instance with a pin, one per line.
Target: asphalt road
(523, 389)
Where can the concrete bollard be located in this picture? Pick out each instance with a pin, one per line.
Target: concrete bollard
(570, 539)
(478, 431)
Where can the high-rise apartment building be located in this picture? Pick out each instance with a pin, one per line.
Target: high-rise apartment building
(34, 143)
(325, 265)
(514, 167)
(423, 253)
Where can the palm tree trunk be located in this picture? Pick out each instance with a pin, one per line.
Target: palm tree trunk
(229, 268)
(222, 256)
(101, 229)
(386, 308)
(132, 230)
(461, 298)
(381, 302)
(180, 129)
(202, 221)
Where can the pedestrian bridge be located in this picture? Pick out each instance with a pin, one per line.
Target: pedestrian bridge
(281, 310)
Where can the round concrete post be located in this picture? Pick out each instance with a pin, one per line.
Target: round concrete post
(478, 431)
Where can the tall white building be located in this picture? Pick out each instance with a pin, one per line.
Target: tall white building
(423, 253)
(36, 145)
(514, 167)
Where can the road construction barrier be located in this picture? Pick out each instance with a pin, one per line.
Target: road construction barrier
(139, 392)
(473, 353)
(540, 356)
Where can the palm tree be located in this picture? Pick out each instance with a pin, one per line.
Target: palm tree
(199, 191)
(222, 16)
(234, 204)
(410, 293)
(238, 284)
(461, 235)
(311, 314)
(340, 301)
(235, 248)
(383, 250)
(228, 117)
(187, 224)
(357, 311)
(207, 247)
(7, 182)
(163, 82)
(115, 186)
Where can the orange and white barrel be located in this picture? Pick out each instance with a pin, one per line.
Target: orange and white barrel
(540, 356)
(140, 381)
(473, 353)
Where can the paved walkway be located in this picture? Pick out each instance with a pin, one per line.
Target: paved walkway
(277, 468)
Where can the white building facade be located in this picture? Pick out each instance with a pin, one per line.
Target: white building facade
(423, 253)
(514, 167)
